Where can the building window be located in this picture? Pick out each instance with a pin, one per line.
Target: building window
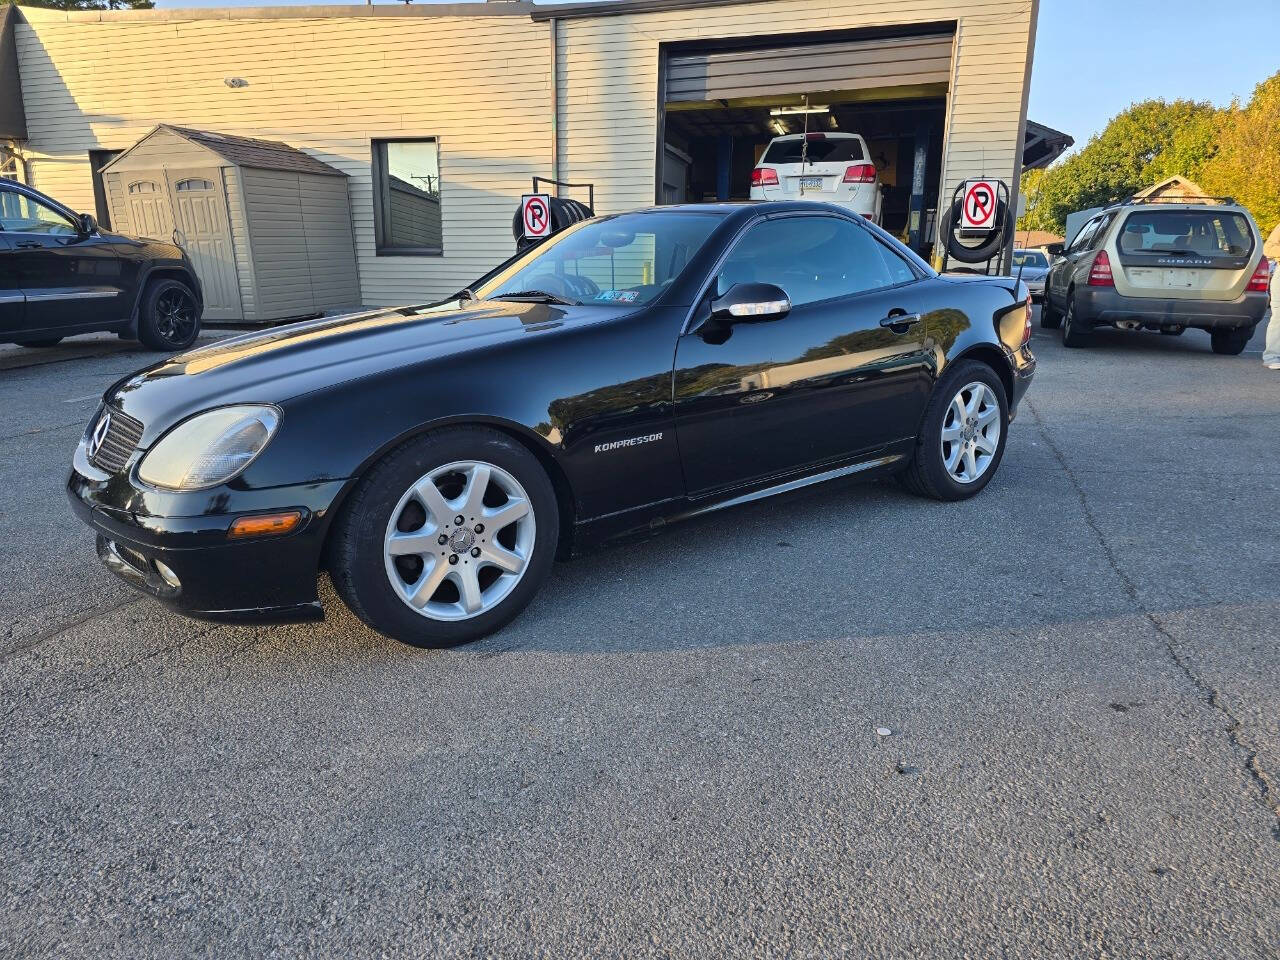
(97, 160)
(11, 165)
(406, 197)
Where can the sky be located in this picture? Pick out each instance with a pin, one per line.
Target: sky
(1095, 57)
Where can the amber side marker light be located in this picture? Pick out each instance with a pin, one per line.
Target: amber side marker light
(264, 524)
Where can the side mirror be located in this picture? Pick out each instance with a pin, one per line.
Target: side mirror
(750, 303)
(88, 225)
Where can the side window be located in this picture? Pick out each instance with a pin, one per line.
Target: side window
(1100, 231)
(1083, 238)
(23, 214)
(811, 258)
(899, 270)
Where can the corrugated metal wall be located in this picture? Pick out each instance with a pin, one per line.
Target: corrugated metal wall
(814, 68)
(479, 83)
(608, 84)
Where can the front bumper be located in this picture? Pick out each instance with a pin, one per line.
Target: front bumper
(1106, 305)
(267, 578)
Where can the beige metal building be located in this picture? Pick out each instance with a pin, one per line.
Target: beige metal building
(440, 115)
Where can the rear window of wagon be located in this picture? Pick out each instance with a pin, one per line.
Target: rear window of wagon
(1202, 233)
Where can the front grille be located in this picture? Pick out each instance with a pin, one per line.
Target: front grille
(123, 434)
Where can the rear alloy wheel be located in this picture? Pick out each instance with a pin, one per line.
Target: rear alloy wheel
(169, 318)
(1230, 343)
(447, 538)
(962, 437)
(1074, 332)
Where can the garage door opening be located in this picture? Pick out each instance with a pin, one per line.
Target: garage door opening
(723, 106)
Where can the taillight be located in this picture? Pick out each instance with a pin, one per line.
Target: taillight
(1100, 272)
(1026, 330)
(860, 173)
(1261, 277)
(764, 177)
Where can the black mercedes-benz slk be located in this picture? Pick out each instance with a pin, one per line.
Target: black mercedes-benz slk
(626, 372)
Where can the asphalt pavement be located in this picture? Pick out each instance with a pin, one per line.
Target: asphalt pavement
(675, 751)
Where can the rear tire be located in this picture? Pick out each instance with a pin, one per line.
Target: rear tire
(1075, 332)
(1050, 318)
(169, 316)
(413, 591)
(1230, 343)
(967, 385)
(46, 342)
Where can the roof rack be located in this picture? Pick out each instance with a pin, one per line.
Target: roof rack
(1202, 200)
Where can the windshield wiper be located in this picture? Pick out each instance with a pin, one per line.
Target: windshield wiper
(535, 296)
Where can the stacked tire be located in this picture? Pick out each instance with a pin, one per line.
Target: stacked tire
(564, 213)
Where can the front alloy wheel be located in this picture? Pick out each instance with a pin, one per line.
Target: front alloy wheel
(447, 538)
(459, 540)
(971, 432)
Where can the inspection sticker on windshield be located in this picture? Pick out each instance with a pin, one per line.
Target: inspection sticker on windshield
(617, 296)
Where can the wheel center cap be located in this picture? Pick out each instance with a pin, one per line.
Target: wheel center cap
(462, 539)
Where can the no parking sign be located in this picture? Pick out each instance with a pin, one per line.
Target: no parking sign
(978, 209)
(535, 212)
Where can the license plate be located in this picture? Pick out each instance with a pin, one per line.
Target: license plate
(810, 183)
(1182, 279)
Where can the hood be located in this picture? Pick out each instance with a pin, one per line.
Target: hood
(274, 365)
(1032, 273)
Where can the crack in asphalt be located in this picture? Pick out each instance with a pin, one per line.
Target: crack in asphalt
(1267, 790)
(97, 683)
(35, 639)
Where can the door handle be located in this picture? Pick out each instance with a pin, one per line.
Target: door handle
(28, 244)
(900, 318)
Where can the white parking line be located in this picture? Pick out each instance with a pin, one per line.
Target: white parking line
(92, 396)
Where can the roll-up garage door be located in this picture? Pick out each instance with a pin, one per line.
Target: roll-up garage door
(695, 76)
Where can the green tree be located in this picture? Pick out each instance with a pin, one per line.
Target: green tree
(85, 4)
(1246, 164)
(1146, 143)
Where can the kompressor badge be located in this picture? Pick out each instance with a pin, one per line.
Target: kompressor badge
(631, 442)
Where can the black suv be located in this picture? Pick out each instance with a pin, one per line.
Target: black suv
(60, 275)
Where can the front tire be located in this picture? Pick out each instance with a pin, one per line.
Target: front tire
(1075, 332)
(1230, 343)
(387, 558)
(962, 437)
(1050, 319)
(169, 316)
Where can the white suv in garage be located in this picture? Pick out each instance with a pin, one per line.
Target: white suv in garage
(831, 167)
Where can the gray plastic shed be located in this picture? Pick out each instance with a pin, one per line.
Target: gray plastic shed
(267, 226)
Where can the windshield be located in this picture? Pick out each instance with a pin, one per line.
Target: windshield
(1208, 233)
(629, 259)
(822, 149)
(1029, 258)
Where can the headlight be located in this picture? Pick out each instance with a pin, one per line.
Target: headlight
(210, 448)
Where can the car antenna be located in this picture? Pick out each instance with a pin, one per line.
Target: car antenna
(804, 141)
